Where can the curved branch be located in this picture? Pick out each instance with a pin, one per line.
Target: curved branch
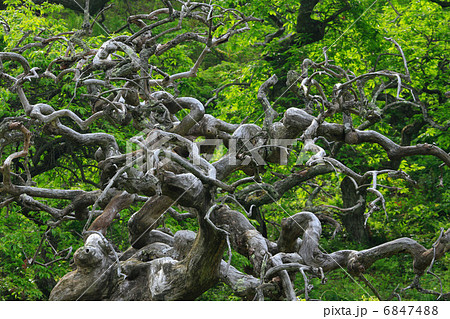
(117, 203)
(245, 239)
(18, 58)
(5, 168)
(297, 120)
(270, 113)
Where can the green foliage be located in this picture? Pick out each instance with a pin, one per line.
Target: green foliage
(24, 18)
(20, 237)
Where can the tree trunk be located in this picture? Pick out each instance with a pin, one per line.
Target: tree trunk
(353, 220)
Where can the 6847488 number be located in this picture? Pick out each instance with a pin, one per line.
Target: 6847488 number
(411, 310)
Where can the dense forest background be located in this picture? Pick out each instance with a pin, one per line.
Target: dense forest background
(34, 254)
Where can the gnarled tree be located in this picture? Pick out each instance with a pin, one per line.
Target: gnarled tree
(168, 169)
